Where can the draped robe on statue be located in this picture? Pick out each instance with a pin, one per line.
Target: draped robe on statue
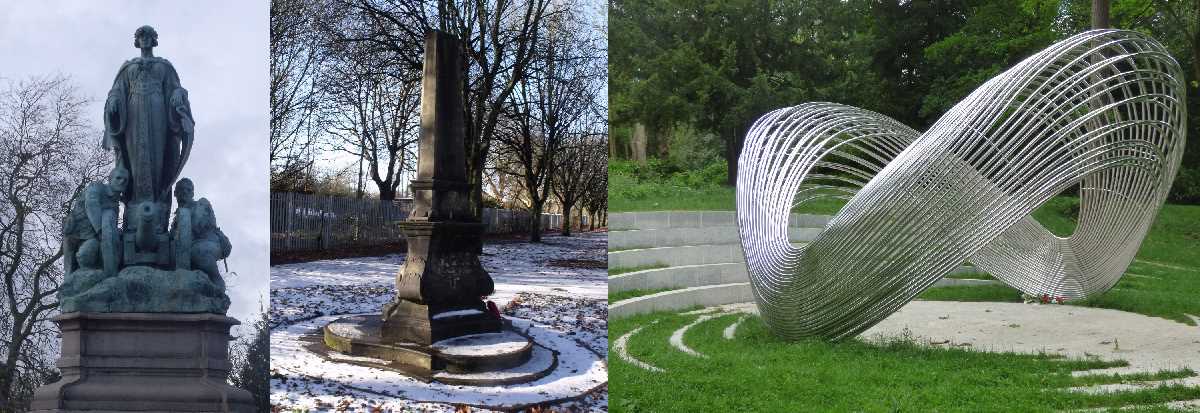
(148, 124)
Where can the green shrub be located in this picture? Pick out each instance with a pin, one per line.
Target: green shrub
(710, 175)
(1186, 189)
(691, 149)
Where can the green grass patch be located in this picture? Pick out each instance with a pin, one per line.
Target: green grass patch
(669, 197)
(616, 271)
(971, 276)
(1166, 272)
(627, 294)
(659, 186)
(997, 293)
(759, 372)
(1098, 379)
(634, 247)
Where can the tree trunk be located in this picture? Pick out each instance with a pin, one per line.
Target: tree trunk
(8, 371)
(387, 193)
(1196, 53)
(733, 149)
(637, 144)
(566, 226)
(535, 222)
(579, 214)
(1100, 14)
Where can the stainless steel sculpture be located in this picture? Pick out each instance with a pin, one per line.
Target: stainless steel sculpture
(1104, 109)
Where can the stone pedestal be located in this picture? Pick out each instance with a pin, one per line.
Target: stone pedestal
(146, 362)
(441, 276)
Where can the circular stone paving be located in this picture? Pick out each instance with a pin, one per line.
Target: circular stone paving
(1147, 343)
(575, 370)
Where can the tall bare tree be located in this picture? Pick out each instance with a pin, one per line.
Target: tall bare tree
(595, 196)
(498, 38)
(549, 103)
(250, 357)
(295, 59)
(584, 162)
(48, 152)
(373, 108)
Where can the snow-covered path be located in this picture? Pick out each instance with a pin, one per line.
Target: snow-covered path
(560, 286)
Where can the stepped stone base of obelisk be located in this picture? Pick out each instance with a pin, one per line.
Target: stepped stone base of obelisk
(143, 362)
(501, 357)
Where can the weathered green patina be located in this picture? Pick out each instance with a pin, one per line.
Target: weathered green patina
(143, 264)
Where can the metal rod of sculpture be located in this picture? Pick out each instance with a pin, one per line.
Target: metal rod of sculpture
(1103, 109)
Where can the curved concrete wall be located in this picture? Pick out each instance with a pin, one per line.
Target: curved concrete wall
(624, 221)
(674, 237)
(683, 276)
(674, 256)
(705, 296)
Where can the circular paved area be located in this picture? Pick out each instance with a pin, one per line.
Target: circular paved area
(579, 371)
(1147, 343)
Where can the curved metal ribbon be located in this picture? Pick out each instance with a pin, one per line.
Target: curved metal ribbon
(1103, 109)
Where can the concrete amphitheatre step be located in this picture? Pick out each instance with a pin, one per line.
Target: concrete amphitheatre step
(674, 237)
(674, 300)
(686, 276)
(703, 256)
(708, 295)
(626, 221)
(683, 276)
(675, 256)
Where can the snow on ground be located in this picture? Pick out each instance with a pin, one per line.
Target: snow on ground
(536, 287)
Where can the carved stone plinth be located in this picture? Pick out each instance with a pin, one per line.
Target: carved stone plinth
(143, 362)
(441, 275)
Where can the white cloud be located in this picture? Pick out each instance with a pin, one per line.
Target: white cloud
(220, 49)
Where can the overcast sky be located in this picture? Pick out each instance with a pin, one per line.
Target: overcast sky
(220, 49)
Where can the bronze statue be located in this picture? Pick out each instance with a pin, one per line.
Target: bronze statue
(199, 242)
(148, 124)
(90, 231)
(121, 254)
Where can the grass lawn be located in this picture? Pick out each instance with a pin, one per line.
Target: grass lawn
(617, 271)
(759, 372)
(676, 198)
(996, 293)
(972, 276)
(627, 294)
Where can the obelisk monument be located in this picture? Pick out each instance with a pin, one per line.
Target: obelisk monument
(438, 327)
(439, 289)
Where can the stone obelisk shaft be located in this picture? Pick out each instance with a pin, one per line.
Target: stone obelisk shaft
(439, 289)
